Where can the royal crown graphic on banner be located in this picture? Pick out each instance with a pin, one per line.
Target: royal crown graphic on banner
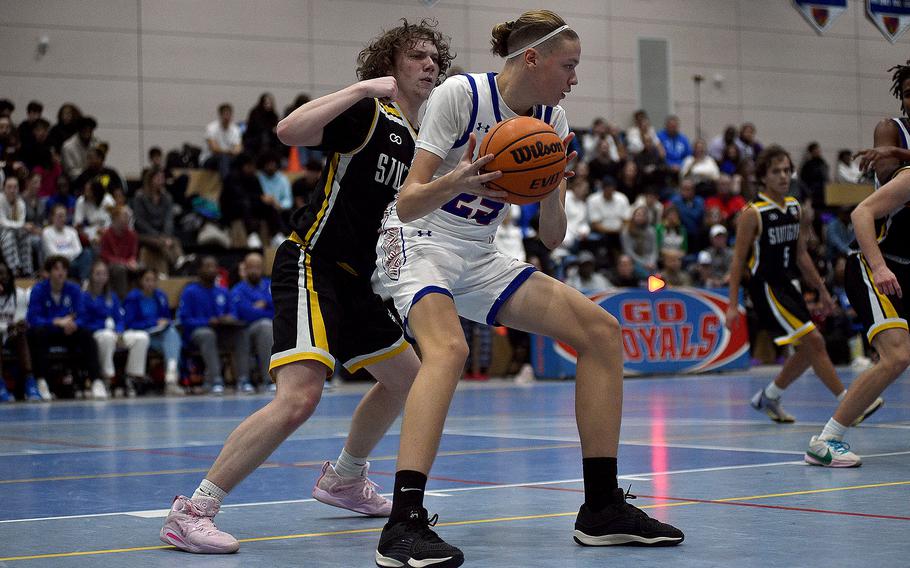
(891, 17)
(821, 14)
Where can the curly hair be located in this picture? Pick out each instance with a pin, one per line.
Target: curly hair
(900, 74)
(768, 155)
(378, 58)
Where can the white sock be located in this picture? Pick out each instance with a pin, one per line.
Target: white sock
(170, 374)
(773, 391)
(209, 489)
(841, 396)
(834, 430)
(348, 465)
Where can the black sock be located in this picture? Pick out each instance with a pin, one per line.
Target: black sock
(409, 487)
(600, 482)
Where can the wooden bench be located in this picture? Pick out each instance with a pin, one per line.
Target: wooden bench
(173, 286)
(846, 194)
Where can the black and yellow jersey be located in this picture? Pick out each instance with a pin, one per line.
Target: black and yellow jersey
(370, 147)
(773, 254)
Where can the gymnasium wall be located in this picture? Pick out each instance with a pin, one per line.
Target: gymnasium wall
(153, 71)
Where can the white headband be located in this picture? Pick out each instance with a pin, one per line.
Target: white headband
(538, 42)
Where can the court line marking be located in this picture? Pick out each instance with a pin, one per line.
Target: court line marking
(161, 513)
(679, 502)
(272, 465)
(315, 463)
(628, 422)
(624, 442)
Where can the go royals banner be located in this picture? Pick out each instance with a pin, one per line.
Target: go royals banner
(891, 17)
(821, 14)
(675, 330)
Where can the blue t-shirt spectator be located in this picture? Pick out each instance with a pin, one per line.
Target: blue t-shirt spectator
(839, 237)
(677, 147)
(691, 212)
(244, 297)
(67, 200)
(43, 309)
(528, 212)
(95, 310)
(199, 304)
(143, 312)
(278, 186)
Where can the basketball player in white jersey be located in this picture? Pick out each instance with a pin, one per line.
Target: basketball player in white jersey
(876, 276)
(437, 259)
(325, 308)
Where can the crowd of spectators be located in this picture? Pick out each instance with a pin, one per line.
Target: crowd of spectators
(643, 201)
(654, 202)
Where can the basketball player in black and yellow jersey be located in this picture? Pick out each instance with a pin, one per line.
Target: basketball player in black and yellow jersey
(325, 307)
(771, 246)
(876, 276)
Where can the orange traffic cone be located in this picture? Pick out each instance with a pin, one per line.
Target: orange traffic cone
(294, 160)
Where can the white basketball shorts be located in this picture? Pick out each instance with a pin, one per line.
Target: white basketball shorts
(412, 263)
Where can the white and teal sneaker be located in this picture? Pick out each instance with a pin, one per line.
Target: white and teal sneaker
(831, 453)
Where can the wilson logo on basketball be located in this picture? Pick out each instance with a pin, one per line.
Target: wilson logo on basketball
(530, 152)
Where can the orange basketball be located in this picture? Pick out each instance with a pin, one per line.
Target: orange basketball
(530, 156)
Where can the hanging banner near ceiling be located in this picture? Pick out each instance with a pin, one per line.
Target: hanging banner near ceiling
(891, 17)
(821, 14)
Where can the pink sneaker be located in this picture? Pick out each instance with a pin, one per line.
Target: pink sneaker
(189, 527)
(356, 494)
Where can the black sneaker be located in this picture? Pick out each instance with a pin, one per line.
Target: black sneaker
(621, 523)
(412, 543)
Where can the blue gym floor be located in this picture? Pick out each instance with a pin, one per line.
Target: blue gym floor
(88, 483)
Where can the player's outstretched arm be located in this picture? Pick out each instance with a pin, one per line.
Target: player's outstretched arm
(886, 199)
(746, 231)
(420, 196)
(304, 126)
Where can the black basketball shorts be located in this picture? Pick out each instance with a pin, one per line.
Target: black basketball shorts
(324, 313)
(877, 311)
(781, 309)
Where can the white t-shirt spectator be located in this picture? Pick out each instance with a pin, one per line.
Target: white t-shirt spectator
(95, 218)
(226, 139)
(634, 143)
(64, 243)
(703, 169)
(848, 174)
(590, 143)
(577, 227)
(74, 155)
(716, 147)
(12, 216)
(612, 214)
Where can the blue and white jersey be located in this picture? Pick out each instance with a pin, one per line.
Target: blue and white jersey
(461, 105)
(893, 231)
(904, 140)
